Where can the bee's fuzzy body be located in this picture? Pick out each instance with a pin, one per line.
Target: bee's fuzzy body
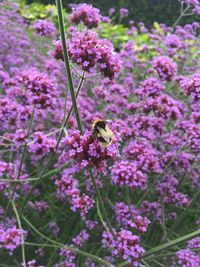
(102, 132)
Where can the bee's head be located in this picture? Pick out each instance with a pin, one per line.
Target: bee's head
(100, 124)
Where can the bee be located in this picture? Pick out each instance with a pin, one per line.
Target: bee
(102, 132)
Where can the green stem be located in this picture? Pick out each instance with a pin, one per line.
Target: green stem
(67, 63)
(101, 203)
(18, 181)
(75, 250)
(100, 216)
(171, 244)
(22, 235)
(160, 176)
(70, 111)
(38, 179)
(184, 213)
(21, 163)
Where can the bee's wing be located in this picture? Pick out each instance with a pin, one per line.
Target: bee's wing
(107, 134)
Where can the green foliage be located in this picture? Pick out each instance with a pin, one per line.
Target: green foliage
(36, 11)
(117, 33)
(148, 11)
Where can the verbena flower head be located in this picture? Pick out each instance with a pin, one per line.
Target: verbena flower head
(40, 88)
(130, 216)
(127, 173)
(10, 238)
(191, 87)
(41, 145)
(44, 27)
(165, 67)
(188, 258)
(165, 106)
(90, 52)
(57, 53)
(151, 87)
(87, 152)
(143, 153)
(126, 246)
(173, 41)
(87, 14)
(123, 12)
(194, 243)
(167, 191)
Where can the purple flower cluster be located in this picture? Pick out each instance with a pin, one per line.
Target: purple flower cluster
(87, 51)
(167, 191)
(87, 152)
(131, 217)
(40, 89)
(165, 67)
(153, 111)
(10, 238)
(41, 145)
(165, 106)
(150, 87)
(188, 258)
(143, 153)
(87, 14)
(67, 186)
(191, 87)
(128, 173)
(70, 256)
(44, 27)
(125, 246)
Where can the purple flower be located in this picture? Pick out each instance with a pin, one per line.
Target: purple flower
(165, 106)
(87, 14)
(40, 88)
(44, 27)
(128, 173)
(125, 246)
(88, 51)
(191, 87)
(173, 41)
(41, 145)
(10, 238)
(188, 258)
(123, 12)
(167, 191)
(57, 53)
(80, 239)
(87, 152)
(165, 67)
(145, 156)
(131, 217)
(150, 87)
(194, 243)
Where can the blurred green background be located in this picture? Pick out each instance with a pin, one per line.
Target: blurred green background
(147, 11)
